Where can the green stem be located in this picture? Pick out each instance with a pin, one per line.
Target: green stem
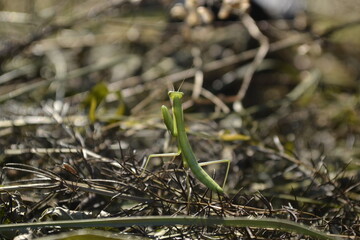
(280, 224)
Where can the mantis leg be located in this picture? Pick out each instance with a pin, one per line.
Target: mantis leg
(219, 161)
(168, 120)
(159, 155)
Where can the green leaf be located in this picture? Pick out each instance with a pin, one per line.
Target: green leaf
(95, 97)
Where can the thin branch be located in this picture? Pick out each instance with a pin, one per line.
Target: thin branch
(255, 32)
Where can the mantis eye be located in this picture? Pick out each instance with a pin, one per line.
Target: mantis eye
(175, 94)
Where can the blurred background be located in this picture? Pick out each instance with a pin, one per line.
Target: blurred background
(272, 85)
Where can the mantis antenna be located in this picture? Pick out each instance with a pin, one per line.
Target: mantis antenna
(182, 82)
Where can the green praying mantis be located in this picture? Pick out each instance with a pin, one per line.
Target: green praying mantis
(176, 127)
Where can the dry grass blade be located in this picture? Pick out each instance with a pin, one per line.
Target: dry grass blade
(30, 169)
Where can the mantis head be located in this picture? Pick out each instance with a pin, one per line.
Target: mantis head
(175, 94)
